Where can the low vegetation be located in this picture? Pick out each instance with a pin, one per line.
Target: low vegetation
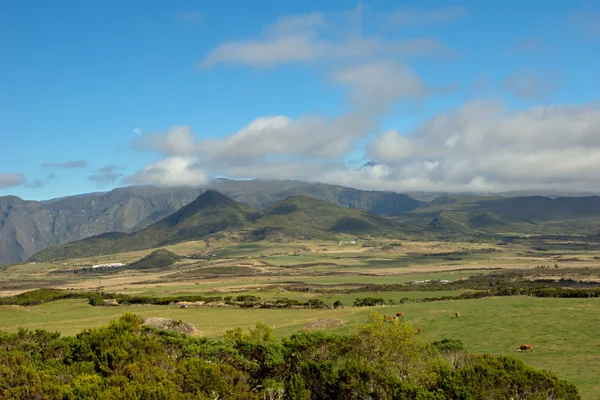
(160, 258)
(509, 291)
(299, 217)
(375, 360)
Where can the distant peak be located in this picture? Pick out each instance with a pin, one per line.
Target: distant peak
(212, 197)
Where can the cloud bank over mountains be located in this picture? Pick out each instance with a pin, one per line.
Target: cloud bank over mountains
(515, 137)
(482, 146)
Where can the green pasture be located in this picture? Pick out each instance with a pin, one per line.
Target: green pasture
(388, 279)
(565, 333)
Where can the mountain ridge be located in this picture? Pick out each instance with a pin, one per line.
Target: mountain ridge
(212, 212)
(27, 226)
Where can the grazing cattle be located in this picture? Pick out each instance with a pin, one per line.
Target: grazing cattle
(419, 331)
(395, 318)
(525, 347)
(457, 314)
(400, 314)
(387, 317)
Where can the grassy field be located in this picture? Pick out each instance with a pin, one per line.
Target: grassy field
(565, 332)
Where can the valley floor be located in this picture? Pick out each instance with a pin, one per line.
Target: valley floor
(565, 332)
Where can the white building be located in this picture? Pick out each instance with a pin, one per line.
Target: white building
(111, 265)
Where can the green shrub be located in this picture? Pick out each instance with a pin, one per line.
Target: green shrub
(375, 360)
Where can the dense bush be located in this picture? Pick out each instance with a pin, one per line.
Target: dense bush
(41, 296)
(505, 284)
(247, 297)
(369, 301)
(375, 360)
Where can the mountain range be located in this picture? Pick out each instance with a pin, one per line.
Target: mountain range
(299, 217)
(27, 227)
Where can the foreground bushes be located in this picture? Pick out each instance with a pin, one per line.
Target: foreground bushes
(375, 361)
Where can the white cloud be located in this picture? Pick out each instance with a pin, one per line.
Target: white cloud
(484, 146)
(266, 53)
(273, 136)
(392, 145)
(481, 147)
(137, 131)
(178, 141)
(172, 171)
(307, 38)
(374, 87)
(11, 180)
(380, 84)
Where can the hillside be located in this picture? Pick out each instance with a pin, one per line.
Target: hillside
(160, 258)
(27, 227)
(261, 194)
(306, 217)
(519, 215)
(211, 212)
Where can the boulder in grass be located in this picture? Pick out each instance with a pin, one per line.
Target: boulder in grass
(110, 302)
(171, 325)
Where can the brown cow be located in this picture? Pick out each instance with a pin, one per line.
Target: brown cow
(419, 331)
(387, 317)
(457, 314)
(400, 314)
(525, 347)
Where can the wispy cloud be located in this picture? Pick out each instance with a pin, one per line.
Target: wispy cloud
(412, 17)
(372, 68)
(11, 180)
(65, 165)
(533, 86)
(106, 175)
(527, 46)
(586, 22)
(38, 183)
(479, 146)
(190, 16)
(307, 38)
(374, 87)
(298, 24)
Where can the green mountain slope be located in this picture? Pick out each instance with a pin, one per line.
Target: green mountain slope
(307, 217)
(212, 212)
(26, 227)
(160, 258)
(497, 215)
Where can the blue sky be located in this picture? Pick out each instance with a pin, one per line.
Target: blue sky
(479, 96)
